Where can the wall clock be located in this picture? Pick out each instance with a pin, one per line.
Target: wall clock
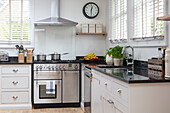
(90, 10)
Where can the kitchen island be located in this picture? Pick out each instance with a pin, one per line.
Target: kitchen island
(118, 91)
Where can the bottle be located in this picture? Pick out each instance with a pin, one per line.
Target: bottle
(159, 53)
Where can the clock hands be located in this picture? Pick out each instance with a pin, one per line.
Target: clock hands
(91, 9)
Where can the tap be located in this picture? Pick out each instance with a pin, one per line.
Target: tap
(123, 50)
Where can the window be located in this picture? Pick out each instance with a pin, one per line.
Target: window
(119, 20)
(14, 20)
(145, 24)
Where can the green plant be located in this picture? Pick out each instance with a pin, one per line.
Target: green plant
(117, 52)
(109, 52)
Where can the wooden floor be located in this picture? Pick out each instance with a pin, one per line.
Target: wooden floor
(51, 110)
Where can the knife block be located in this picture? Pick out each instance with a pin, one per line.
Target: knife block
(21, 57)
(29, 57)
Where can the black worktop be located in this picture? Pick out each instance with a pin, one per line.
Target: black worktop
(126, 74)
(13, 60)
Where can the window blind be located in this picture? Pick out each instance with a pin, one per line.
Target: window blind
(14, 20)
(145, 24)
(119, 20)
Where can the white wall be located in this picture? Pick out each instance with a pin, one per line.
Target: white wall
(63, 39)
(142, 53)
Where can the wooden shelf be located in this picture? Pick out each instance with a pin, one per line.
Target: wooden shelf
(164, 18)
(91, 33)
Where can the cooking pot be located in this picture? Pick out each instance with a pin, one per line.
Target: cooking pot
(56, 56)
(41, 57)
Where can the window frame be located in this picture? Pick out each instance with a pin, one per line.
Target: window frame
(140, 43)
(30, 42)
(114, 40)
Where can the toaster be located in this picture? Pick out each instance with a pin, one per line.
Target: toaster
(4, 56)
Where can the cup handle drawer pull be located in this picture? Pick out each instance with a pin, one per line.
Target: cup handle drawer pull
(110, 101)
(15, 97)
(119, 91)
(15, 70)
(15, 82)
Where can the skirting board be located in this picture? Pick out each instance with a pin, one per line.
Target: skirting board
(15, 107)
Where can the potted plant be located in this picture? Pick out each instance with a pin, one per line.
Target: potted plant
(118, 56)
(109, 57)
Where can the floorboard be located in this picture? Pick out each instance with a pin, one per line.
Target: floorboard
(51, 110)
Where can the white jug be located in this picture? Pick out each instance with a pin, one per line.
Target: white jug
(109, 60)
(167, 63)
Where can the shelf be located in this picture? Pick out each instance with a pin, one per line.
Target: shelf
(164, 18)
(91, 33)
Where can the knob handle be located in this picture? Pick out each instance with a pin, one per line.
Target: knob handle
(119, 91)
(15, 82)
(15, 70)
(15, 97)
(105, 83)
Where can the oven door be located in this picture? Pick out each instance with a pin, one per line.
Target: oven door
(40, 96)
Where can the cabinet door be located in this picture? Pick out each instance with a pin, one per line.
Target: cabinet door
(96, 96)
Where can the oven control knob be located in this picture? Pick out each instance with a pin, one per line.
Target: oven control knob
(40, 67)
(37, 67)
(64, 67)
(60, 68)
(49, 67)
(76, 67)
(56, 67)
(52, 67)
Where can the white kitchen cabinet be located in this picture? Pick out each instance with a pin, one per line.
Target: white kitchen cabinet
(15, 86)
(121, 97)
(96, 97)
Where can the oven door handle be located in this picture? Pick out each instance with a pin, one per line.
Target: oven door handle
(44, 81)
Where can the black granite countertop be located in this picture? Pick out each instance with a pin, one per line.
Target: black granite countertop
(126, 75)
(13, 60)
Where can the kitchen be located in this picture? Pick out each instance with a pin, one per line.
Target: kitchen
(71, 44)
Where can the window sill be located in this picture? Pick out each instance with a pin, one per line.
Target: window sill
(11, 44)
(118, 41)
(15, 42)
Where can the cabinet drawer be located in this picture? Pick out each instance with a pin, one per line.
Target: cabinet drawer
(14, 97)
(106, 84)
(14, 82)
(15, 69)
(120, 91)
(111, 105)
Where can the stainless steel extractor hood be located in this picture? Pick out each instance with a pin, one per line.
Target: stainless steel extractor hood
(55, 19)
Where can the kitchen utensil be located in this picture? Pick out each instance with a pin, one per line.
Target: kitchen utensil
(41, 57)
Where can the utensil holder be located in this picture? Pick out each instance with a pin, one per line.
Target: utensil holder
(21, 58)
(29, 58)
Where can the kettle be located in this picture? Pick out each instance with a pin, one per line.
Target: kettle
(167, 63)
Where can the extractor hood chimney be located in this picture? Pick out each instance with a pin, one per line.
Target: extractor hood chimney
(55, 19)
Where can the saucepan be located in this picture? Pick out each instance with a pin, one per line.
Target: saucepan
(56, 56)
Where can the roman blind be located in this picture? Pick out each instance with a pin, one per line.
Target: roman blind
(145, 24)
(14, 20)
(119, 20)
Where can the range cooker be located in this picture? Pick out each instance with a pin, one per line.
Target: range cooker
(66, 77)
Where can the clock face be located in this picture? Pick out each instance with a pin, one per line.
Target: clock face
(90, 10)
